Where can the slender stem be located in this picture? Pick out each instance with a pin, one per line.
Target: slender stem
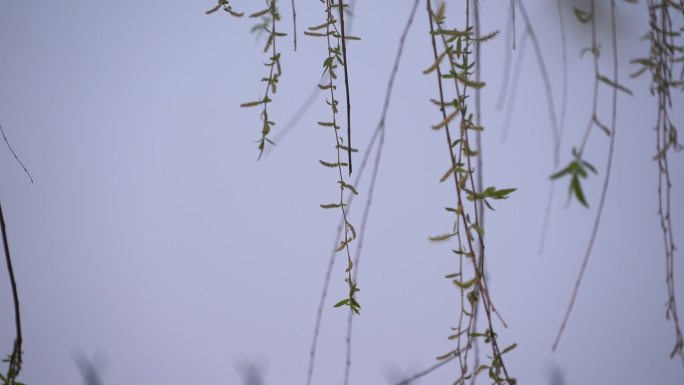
(346, 84)
(427, 371)
(15, 358)
(294, 24)
(26, 171)
(376, 165)
(547, 83)
(604, 191)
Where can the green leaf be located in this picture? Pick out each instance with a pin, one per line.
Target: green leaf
(576, 187)
(583, 16)
(251, 104)
(441, 237)
(613, 84)
(455, 169)
(332, 205)
(445, 122)
(342, 303)
(508, 349)
(332, 165)
(216, 8)
(501, 194)
(465, 285)
(478, 229)
(260, 13)
(562, 172)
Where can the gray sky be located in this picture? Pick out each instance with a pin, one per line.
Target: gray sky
(153, 240)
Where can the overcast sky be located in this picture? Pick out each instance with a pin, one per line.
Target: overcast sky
(153, 242)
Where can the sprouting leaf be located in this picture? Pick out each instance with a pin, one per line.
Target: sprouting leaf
(440, 14)
(343, 244)
(469, 83)
(434, 65)
(493, 193)
(478, 229)
(216, 8)
(441, 237)
(332, 205)
(332, 165)
(326, 124)
(260, 13)
(316, 34)
(346, 148)
(352, 230)
(613, 84)
(342, 303)
(445, 122)
(576, 170)
(252, 104)
(583, 16)
(509, 348)
(465, 285)
(454, 169)
(576, 188)
(487, 37)
(233, 13)
(321, 26)
(480, 369)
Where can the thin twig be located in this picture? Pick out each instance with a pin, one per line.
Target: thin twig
(547, 83)
(376, 165)
(547, 216)
(564, 51)
(508, 115)
(292, 123)
(294, 23)
(481, 279)
(428, 370)
(564, 103)
(346, 84)
(331, 262)
(15, 154)
(15, 359)
(593, 119)
(513, 19)
(661, 35)
(480, 183)
(503, 91)
(308, 102)
(604, 191)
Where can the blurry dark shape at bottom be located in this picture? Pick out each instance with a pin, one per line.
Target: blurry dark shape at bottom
(395, 375)
(91, 369)
(556, 376)
(252, 372)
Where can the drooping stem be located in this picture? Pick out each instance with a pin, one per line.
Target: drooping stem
(15, 358)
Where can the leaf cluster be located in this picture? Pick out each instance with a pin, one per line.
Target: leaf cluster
(576, 171)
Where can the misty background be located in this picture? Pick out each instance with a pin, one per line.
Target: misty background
(154, 247)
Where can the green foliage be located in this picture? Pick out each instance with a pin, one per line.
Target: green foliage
(14, 362)
(576, 171)
(225, 5)
(269, 16)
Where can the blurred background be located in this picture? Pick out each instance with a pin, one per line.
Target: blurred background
(154, 248)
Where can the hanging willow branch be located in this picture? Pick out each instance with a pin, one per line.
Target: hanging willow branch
(14, 359)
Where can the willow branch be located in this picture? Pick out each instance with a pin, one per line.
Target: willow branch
(376, 165)
(604, 191)
(15, 358)
(2, 130)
